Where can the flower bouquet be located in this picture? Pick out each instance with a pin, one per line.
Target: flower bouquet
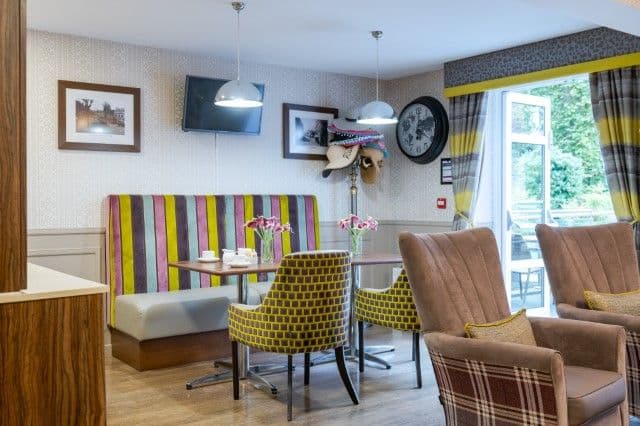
(267, 228)
(357, 227)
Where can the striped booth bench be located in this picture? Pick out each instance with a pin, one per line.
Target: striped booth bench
(161, 316)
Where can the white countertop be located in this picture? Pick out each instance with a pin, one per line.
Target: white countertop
(45, 283)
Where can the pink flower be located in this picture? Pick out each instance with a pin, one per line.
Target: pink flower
(355, 224)
(372, 223)
(252, 224)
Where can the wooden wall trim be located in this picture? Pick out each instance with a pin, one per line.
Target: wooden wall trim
(13, 244)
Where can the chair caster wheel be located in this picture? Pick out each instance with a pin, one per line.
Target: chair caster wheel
(274, 391)
(388, 367)
(189, 387)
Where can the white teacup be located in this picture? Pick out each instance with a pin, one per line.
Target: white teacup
(208, 254)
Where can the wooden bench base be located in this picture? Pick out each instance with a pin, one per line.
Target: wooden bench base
(169, 351)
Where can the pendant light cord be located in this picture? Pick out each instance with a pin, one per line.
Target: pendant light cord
(377, 69)
(238, 42)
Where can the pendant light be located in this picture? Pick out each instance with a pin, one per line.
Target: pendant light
(377, 112)
(237, 93)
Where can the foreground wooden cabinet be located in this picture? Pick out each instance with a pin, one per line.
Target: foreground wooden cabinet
(52, 353)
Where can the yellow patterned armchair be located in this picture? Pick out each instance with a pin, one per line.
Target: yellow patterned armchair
(390, 307)
(306, 310)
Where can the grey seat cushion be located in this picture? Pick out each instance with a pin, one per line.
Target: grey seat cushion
(591, 392)
(154, 315)
(262, 288)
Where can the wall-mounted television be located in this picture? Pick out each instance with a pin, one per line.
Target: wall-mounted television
(202, 115)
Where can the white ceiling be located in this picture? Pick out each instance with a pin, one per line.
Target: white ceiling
(327, 35)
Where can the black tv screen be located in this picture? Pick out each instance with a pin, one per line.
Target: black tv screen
(202, 115)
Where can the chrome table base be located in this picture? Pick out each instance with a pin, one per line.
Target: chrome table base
(254, 373)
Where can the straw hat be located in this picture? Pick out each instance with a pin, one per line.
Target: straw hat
(371, 160)
(340, 157)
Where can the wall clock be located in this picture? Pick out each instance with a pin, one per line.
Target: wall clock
(422, 130)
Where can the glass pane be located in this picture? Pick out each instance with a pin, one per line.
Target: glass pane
(527, 210)
(527, 119)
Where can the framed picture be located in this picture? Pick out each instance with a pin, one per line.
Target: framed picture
(305, 134)
(446, 174)
(98, 117)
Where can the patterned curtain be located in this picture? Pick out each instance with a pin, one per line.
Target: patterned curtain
(615, 98)
(467, 117)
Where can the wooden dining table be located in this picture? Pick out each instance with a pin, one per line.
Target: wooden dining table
(256, 373)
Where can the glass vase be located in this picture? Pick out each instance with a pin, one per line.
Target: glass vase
(266, 250)
(356, 245)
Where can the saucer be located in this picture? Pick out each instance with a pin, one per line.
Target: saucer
(239, 265)
(208, 259)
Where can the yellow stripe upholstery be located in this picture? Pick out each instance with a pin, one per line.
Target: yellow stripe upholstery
(391, 307)
(172, 240)
(306, 310)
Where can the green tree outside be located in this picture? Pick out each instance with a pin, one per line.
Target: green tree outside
(577, 172)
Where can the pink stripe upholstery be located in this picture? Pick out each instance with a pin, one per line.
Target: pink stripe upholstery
(239, 217)
(161, 242)
(117, 243)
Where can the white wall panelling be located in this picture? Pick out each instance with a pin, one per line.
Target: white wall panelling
(78, 252)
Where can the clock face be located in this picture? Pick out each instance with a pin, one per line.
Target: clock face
(422, 129)
(416, 129)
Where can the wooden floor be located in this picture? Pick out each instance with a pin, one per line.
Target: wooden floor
(390, 396)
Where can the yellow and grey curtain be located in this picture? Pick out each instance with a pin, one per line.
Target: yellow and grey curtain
(467, 117)
(615, 97)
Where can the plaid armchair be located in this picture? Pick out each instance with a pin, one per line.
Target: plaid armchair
(574, 376)
(597, 258)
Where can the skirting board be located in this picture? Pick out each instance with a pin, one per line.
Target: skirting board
(169, 351)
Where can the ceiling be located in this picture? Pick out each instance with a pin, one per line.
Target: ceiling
(328, 35)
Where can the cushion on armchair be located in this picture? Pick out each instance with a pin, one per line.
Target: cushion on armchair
(514, 329)
(620, 303)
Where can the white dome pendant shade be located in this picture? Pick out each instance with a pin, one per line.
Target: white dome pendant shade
(237, 93)
(377, 112)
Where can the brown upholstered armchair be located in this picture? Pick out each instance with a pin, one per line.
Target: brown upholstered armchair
(599, 258)
(574, 376)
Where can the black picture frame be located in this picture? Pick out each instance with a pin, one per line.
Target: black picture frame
(446, 171)
(288, 143)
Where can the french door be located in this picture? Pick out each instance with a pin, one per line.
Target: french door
(526, 199)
